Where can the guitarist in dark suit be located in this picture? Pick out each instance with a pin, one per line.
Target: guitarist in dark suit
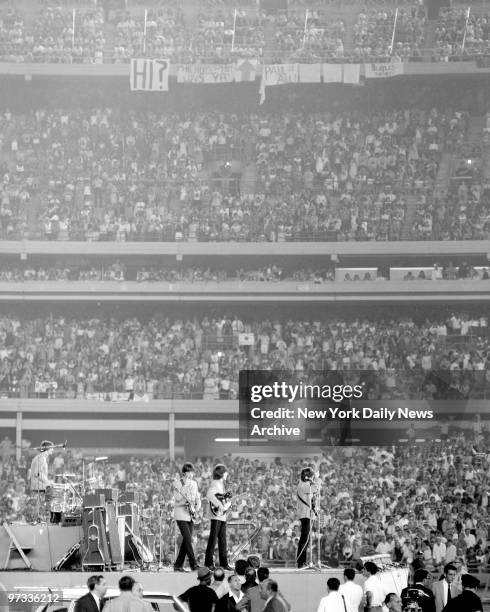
(218, 521)
(94, 600)
(187, 504)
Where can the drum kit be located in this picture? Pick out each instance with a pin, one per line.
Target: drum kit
(66, 495)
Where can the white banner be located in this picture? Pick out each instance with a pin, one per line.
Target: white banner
(381, 71)
(277, 74)
(149, 74)
(206, 73)
(245, 70)
(280, 74)
(310, 73)
(352, 74)
(246, 339)
(332, 73)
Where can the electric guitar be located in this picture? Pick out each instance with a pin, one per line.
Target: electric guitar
(226, 500)
(194, 514)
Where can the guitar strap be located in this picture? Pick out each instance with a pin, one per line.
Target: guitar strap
(186, 499)
(310, 508)
(303, 501)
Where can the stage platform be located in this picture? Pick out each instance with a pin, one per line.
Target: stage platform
(45, 546)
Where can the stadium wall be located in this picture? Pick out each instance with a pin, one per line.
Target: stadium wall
(195, 426)
(229, 291)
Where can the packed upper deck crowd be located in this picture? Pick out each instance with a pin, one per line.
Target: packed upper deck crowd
(226, 32)
(424, 505)
(136, 360)
(104, 175)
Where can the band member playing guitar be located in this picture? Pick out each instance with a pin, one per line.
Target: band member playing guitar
(187, 505)
(218, 498)
(306, 511)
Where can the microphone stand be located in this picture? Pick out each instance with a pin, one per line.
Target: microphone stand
(319, 534)
(160, 558)
(314, 514)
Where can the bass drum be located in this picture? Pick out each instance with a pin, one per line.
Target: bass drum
(55, 496)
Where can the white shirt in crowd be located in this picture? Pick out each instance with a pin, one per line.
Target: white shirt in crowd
(353, 595)
(238, 597)
(439, 552)
(333, 602)
(378, 594)
(445, 589)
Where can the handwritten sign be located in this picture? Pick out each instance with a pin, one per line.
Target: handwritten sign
(206, 73)
(280, 74)
(277, 74)
(383, 71)
(149, 74)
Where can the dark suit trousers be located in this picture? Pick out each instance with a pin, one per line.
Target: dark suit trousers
(186, 545)
(217, 532)
(303, 542)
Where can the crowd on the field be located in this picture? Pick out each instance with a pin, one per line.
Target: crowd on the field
(103, 175)
(137, 360)
(423, 505)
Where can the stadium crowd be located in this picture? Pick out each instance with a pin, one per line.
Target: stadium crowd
(107, 175)
(133, 359)
(225, 32)
(100, 175)
(375, 35)
(458, 212)
(424, 505)
(462, 31)
(52, 39)
(272, 272)
(120, 272)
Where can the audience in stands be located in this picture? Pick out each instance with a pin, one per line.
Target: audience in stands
(381, 34)
(222, 32)
(85, 271)
(461, 33)
(52, 38)
(133, 359)
(102, 175)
